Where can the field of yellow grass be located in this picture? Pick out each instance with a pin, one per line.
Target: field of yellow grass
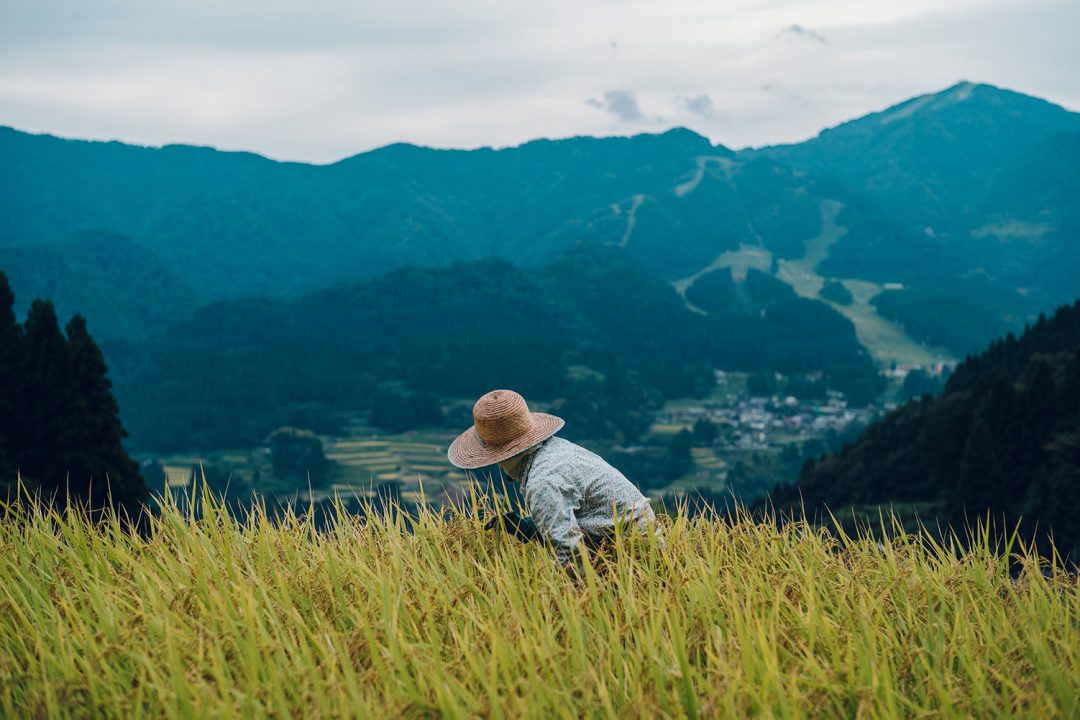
(379, 618)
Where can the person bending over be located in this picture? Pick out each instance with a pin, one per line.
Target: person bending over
(574, 496)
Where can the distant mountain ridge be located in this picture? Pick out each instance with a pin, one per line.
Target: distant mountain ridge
(942, 221)
(246, 225)
(933, 156)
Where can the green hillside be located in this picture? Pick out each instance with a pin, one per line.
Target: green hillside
(916, 185)
(1002, 438)
(229, 281)
(967, 197)
(593, 324)
(929, 161)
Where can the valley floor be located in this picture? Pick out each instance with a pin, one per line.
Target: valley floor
(761, 441)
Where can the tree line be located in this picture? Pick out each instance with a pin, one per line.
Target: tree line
(60, 429)
(1002, 440)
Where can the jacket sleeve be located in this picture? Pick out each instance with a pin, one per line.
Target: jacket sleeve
(552, 500)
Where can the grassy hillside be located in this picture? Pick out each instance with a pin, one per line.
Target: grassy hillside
(210, 618)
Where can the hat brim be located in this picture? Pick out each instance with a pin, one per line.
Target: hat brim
(469, 452)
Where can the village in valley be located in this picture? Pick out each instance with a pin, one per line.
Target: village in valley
(746, 422)
(743, 443)
(764, 439)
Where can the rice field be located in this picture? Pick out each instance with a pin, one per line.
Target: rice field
(211, 617)
(361, 463)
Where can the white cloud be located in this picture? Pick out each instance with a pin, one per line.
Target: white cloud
(622, 104)
(798, 31)
(701, 105)
(328, 78)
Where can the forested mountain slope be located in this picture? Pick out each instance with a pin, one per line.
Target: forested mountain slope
(592, 323)
(966, 196)
(175, 249)
(1003, 437)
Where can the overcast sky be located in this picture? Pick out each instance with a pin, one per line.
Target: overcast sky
(323, 79)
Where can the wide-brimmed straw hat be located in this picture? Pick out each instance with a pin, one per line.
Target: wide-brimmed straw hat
(503, 427)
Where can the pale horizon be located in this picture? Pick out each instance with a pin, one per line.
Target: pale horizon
(714, 141)
(334, 79)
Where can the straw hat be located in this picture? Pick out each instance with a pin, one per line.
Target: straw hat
(504, 427)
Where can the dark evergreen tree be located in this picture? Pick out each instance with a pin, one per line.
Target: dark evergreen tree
(93, 435)
(64, 433)
(10, 363)
(678, 460)
(44, 401)
(705, 432)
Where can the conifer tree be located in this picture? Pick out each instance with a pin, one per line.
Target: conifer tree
(983, 482)
(59, 421)
(1036, 417)
(93, 433)
(10, 361)
(43, 400)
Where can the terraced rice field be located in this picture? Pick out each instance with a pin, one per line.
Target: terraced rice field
(361, 463)
(411, 460)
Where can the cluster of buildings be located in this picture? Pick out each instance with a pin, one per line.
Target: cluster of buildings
(758, 423)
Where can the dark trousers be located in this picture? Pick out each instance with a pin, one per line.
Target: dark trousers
(598, 541)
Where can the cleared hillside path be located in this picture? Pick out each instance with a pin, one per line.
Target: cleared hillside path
(684, 189)
(631, 218)
(884, 340)
(740, 261)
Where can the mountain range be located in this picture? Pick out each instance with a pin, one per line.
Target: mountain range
(937, 224)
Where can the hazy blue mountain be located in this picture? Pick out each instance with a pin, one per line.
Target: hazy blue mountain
(929, 161)
(235, 224)
(1031, 215)
(396, 205)
(105, 272)
(969, 198)
(958, 210)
